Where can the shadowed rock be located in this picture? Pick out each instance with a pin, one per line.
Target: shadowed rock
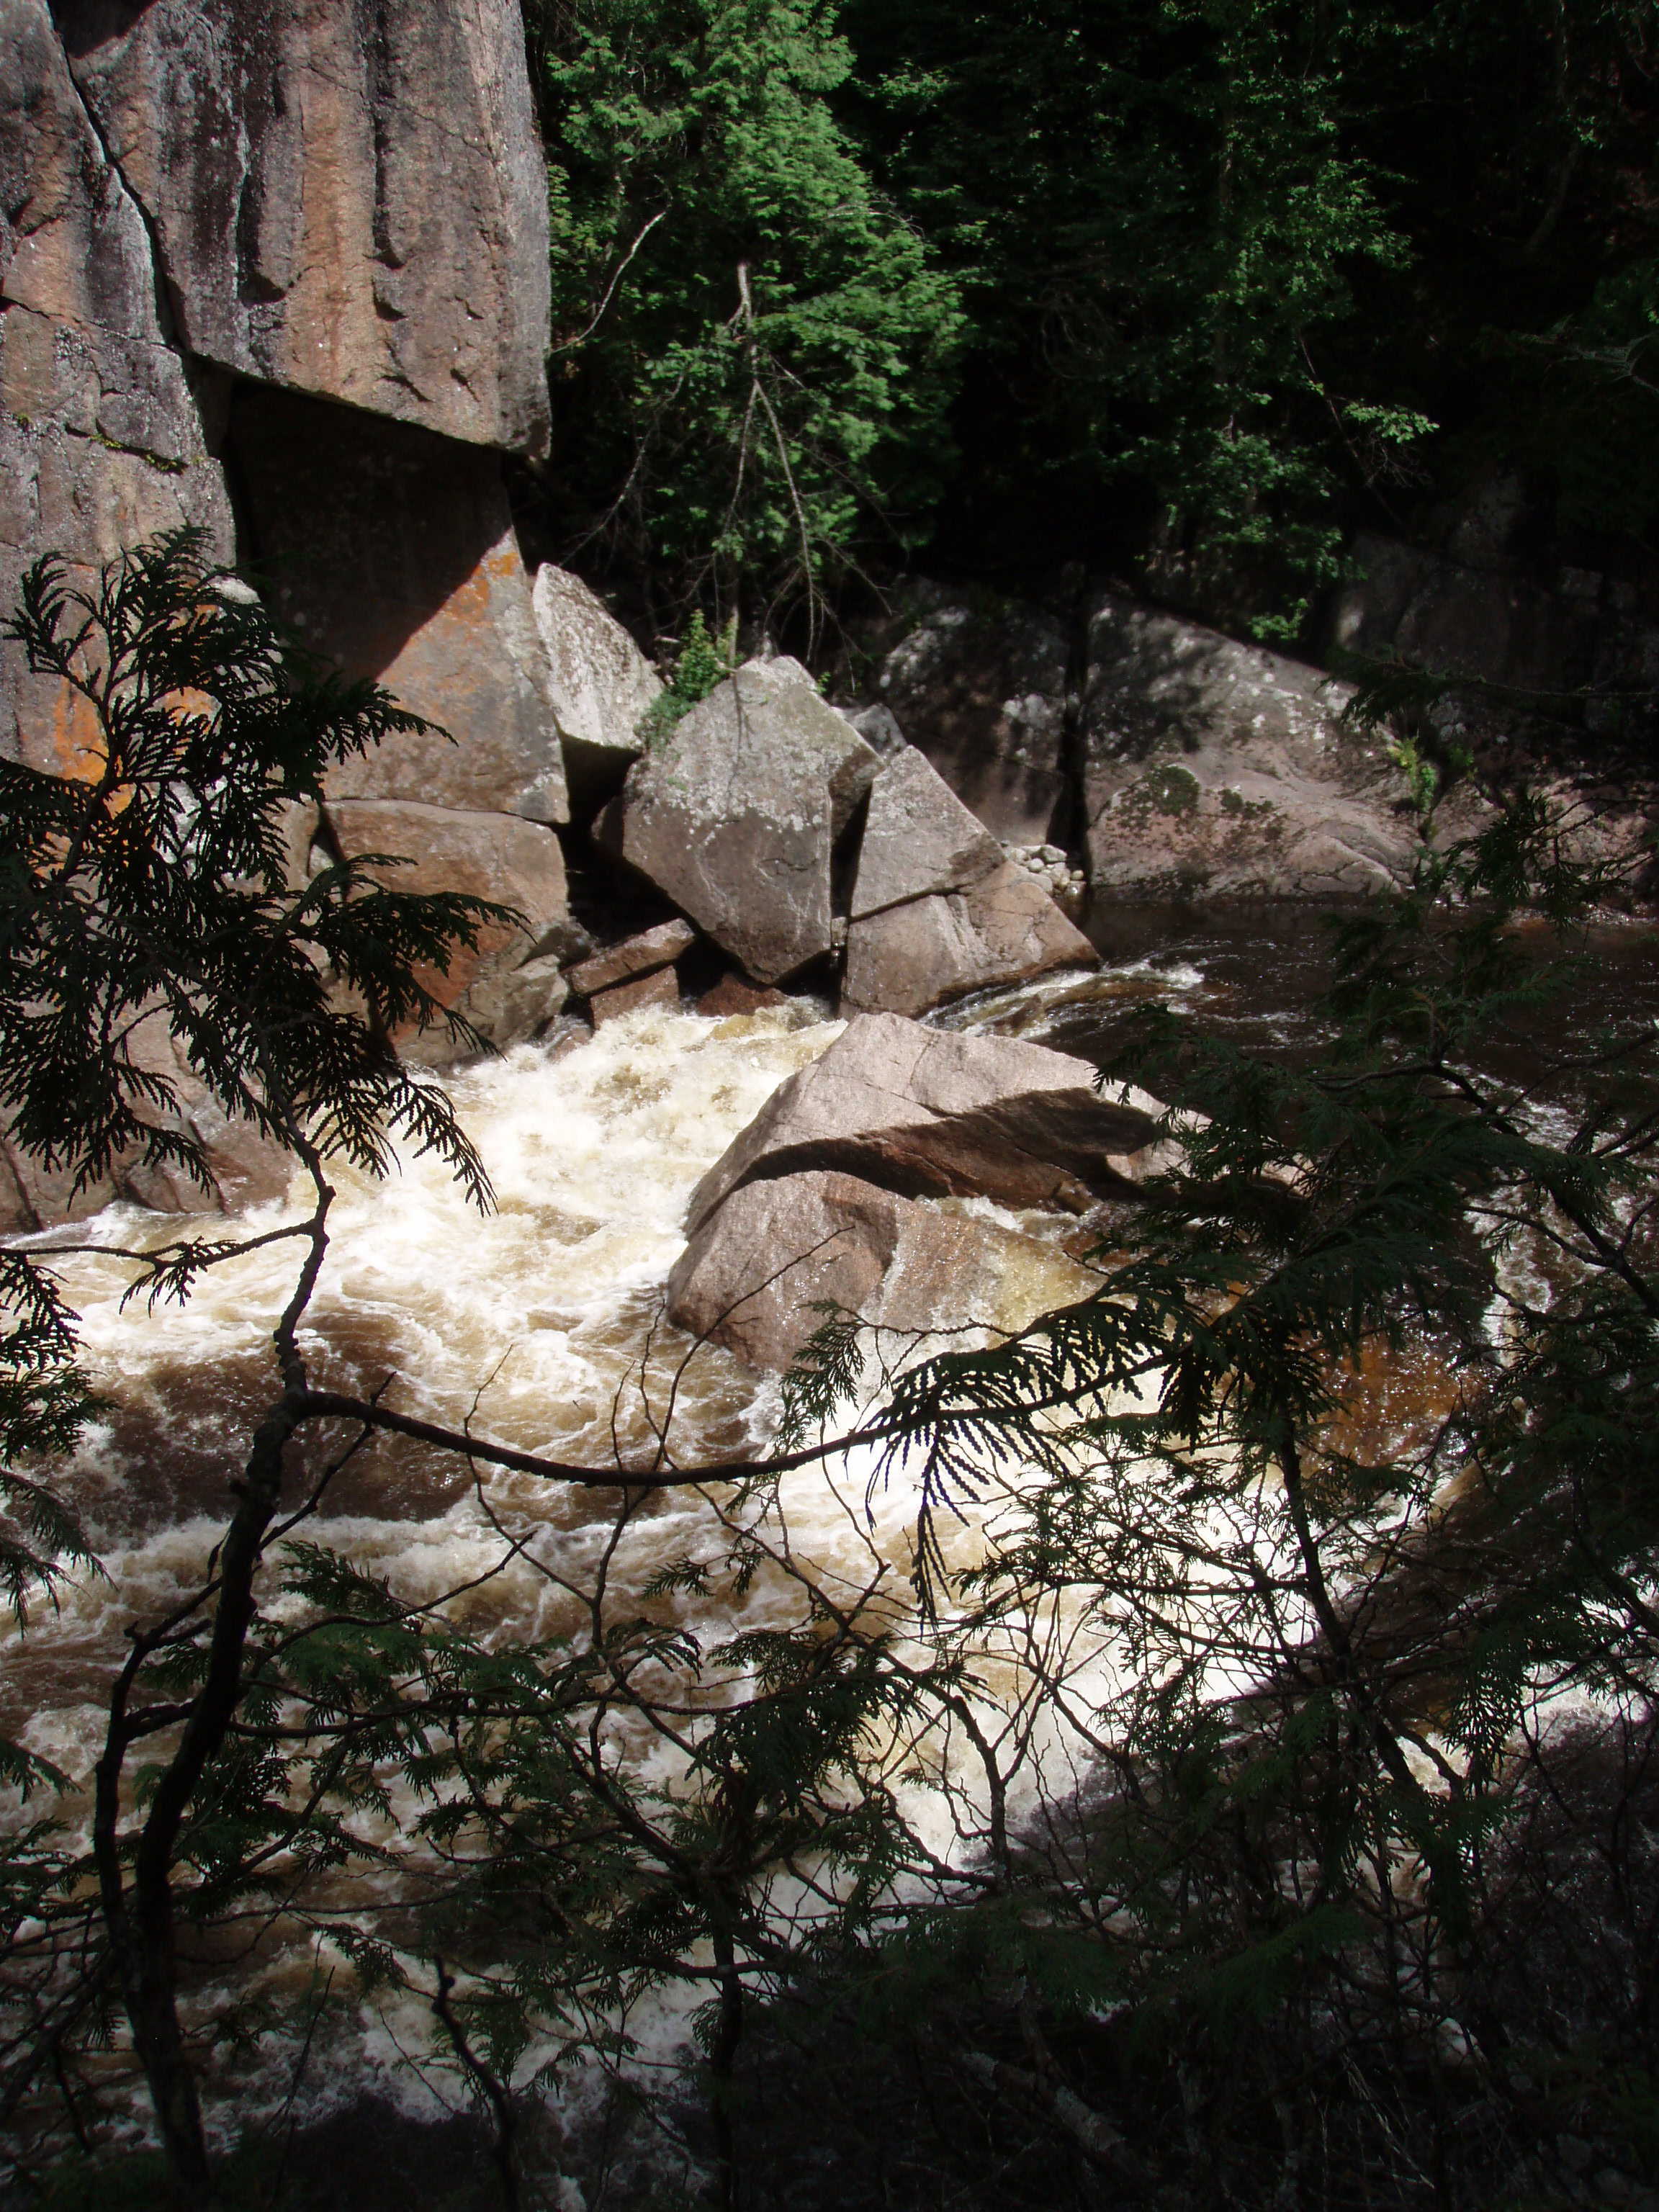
(494, 856)
(1216, 768)
(391, 552)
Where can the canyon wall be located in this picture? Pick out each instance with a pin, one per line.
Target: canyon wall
(279, 269)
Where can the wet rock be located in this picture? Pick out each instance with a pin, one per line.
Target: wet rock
(925, 1111)
(601, 683)
(918, 838)
(753, 1276)
(345, 201)
(981, 686)
(509, 1005)
(243, 1167)
(494, 856)
(392, 552)
(660, 988)
(735, 815)
(1003, 929)
(732, 995)
(1216, 768)
(634, 955)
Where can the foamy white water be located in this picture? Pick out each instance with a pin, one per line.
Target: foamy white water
(541, 1324)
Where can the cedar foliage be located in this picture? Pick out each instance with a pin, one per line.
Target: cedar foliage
(1262, 1738)
(1186, 291)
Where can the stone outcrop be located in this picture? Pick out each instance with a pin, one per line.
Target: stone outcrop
(391, 552)
(923, 1111)
(513, 982)
(300, 249)
(755, 1277)
(980, 687)
(736, 813)
(601, 683)
(1475, 610)
(344, 201)
(1217, 768)
(102, 438)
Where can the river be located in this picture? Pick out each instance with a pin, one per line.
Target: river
(541, 1323)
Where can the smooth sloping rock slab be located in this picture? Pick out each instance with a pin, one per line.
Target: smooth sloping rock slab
(601, 682)
(634, 955)
(350, 201)
(735, 816)
(1216, 768)
(918, 838)
(1003, 929)
(751, 1276)
(928, 1111)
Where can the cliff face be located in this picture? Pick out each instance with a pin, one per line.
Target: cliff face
(345, 197)
(278, 268)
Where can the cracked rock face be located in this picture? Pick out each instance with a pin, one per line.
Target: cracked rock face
(735, 815)
(102, 438)
(755, 1278)
(346, 200)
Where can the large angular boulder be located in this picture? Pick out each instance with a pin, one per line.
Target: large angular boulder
(1003, 929)
(755, 1277)
(918, 839)
(1216, 768)
(735, 815)
(392, 552)
(924, 1111)
(601, 684)
(937, 910)
(345, 201)
(982, 686)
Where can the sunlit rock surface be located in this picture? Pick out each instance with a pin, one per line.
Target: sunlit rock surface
(344, 201)
(735, 815)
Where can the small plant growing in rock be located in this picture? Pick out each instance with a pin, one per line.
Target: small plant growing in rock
(702, 663)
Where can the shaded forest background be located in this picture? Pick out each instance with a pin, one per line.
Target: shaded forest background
(1187, 293)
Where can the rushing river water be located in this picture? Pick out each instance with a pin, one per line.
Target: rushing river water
(541, 1323)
